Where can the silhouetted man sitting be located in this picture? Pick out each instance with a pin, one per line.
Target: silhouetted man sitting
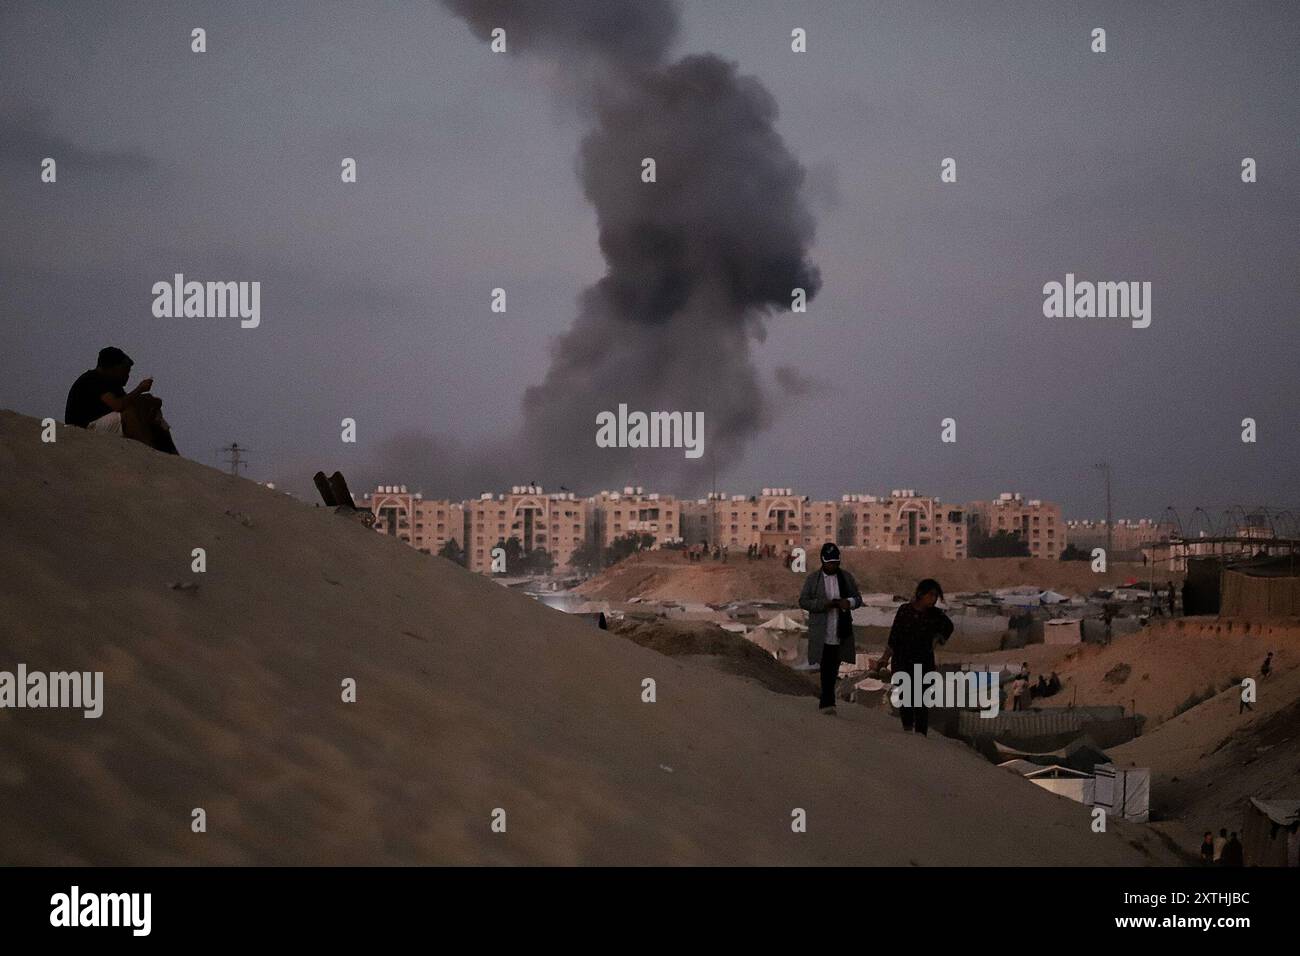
(98, 400)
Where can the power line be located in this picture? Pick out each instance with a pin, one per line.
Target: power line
(234, 459)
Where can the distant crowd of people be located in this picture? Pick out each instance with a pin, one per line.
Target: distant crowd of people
(755, 552)
(1221, 850)
(1022, 690)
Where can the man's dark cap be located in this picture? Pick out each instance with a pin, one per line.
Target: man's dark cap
(928, 585)
(113, 356)
(830, 552)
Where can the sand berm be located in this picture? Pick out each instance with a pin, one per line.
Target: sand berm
(470, 698)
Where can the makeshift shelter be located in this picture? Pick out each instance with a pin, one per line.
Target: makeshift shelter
(1270, 834)
(779, 637)
(1064, 782)
(783, 622)
(1022, 596)
(1123, 792)
(1080, 754)
(1264, 588)
(1062, 631)
(1201, 586)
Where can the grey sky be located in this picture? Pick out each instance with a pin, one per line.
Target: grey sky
(225, 165)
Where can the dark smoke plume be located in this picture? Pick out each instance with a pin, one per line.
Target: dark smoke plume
(696, 261)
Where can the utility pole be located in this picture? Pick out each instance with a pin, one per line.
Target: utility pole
(234, 459)
(1104, 468)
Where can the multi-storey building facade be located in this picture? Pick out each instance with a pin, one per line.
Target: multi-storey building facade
(556, 523)
(561, 523)
(903, 521)
(616, 514)
(424, 524)
(1037, 523)
(1128, 538)
(776, 517)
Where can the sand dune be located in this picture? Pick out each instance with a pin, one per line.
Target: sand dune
(470, 698)
(1207, 761)
(1161, 667)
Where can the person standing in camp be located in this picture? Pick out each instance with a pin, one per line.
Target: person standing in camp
(1267, 667)
(1013, 695)
(1232, 853)
(1207, 848)
(917, 625)
(1220, 842)
(829, 596)
(1171, 599)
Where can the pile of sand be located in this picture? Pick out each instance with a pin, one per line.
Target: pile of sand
(725, 650)
(668, 576)
(469, 698)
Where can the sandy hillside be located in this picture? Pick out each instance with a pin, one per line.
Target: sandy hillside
(1208, 761)
(470, 698)
(666, 575)
(719, 648)
(1162, 666)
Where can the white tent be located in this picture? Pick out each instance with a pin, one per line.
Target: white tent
(1064, 782)
(779, 637)
(1052, 597)
(782, 622)
(1123, 792)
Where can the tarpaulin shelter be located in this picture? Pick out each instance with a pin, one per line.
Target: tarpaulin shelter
(779, 636)
(1263, 588)
(1123, 792)
(1064, 782)
(1078, 755)
(1062, 631)
(1270, 834)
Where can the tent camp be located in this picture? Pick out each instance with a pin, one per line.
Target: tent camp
(1270, 834)
(1123, 792)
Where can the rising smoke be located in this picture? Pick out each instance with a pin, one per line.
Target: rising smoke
(696, 261)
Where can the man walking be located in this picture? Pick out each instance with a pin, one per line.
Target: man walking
(829, 596)
(917, 625)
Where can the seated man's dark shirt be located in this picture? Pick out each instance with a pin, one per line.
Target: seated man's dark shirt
(912, 637)
(84, 402)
